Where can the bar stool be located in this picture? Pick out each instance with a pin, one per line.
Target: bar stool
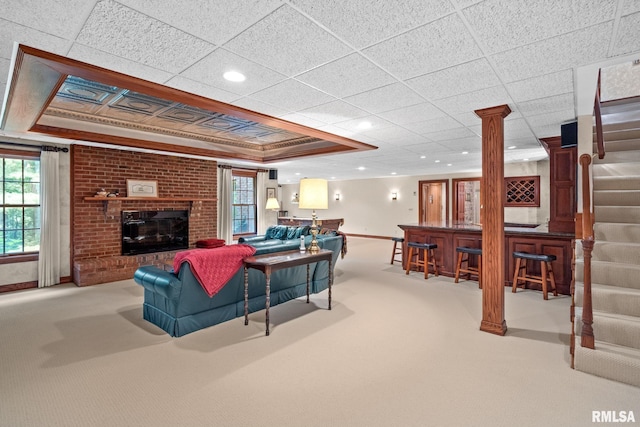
(396, 251)
(545, 267)
(464, 253)
(428, 251)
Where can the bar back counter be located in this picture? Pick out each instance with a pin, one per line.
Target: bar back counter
(522, 239)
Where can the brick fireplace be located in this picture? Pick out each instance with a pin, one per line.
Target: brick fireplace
(96, 224)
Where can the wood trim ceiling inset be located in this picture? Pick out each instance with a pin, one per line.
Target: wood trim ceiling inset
(61, 97)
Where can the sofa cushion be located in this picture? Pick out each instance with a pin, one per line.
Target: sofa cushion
(280, 232)
(271, 231)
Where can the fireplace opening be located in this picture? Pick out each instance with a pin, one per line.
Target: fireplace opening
(154, 231)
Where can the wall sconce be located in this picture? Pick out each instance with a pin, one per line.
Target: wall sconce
(394, 196)
(337, 196)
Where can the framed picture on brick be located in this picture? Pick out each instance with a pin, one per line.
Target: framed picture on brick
(137, 188)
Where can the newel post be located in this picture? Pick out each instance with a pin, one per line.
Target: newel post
(492, 207)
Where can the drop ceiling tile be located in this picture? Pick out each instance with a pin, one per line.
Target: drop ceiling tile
(467, 77)
(356, 135)
(502, 25)
(385, 98)
(468, 119)
(259, 106)
(542, 86)
(12, 32)
(292, 95)
(288, 42)
(121, 31)
(515, 129)
(61, 19)
(412, 114)
(355, 125)
(560, 53)
(391, 134)
(628, 37)
(449, 134)
(303, 120)
(548, 124)
(434, 125)
(547, 105)
(238, 15)
(187, 85)
(363, 22)
(346, 76)
(630, 6)
(116, 63)
(334, 112)
(432, 47)
(211, 68)
(472, 101)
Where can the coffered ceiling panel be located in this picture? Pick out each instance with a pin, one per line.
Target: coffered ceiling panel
(114, 108)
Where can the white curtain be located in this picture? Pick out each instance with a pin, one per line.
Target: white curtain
(49, 257)
(225, 205)
(261, 201)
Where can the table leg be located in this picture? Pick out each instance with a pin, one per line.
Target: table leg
(308, 283)
(330, 282)
(268, 300)
(246, 296)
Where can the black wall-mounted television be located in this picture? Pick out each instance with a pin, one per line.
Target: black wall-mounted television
(569, 134)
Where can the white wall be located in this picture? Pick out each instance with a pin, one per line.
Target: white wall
(22, 272)
(367, 208)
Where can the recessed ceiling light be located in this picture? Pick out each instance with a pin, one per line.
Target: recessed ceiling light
(437, 161)
(364, 125)
(465, 152)
(393, 173)
(423, 157)
(297, 173)
(234, 76)
(361, 168)
(525, 160)
(511, 147)
(449, 164)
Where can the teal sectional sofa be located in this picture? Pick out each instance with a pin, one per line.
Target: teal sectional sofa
(179, 305)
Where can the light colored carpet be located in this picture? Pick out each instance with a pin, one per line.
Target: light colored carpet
(395, 350)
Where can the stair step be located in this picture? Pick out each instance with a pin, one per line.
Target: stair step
(611, 273)
(610, 361)
(612, 328)
(624, 253)
(622, 214)
(626, 182)
(611, 299)
(618, 145)
(626, 168)
(616, 198)
(616, 232)
(618, 157)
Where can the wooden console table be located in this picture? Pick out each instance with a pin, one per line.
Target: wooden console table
(272, 262)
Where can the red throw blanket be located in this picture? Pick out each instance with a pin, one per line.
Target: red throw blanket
(214, 267)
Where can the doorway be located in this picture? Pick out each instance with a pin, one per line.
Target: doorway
(434, 208)
(466, 201)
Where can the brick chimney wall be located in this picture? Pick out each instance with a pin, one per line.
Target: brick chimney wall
(96, 225)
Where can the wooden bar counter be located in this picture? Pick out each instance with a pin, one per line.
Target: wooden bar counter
(523, 239)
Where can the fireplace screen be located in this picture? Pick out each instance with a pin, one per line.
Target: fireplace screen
(154, 231)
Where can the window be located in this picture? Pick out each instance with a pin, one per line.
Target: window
(20, 202)
(244, 203)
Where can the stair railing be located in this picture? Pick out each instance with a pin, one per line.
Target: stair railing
(598, 114)
(587, 338)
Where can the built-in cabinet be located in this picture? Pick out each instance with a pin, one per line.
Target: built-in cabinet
(562, 178)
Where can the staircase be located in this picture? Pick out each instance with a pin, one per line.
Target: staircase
(615, 262)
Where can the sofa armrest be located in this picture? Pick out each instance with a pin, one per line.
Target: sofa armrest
(158, 281)
(251, 239)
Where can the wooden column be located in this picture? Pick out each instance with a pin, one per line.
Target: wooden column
(492, 206)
